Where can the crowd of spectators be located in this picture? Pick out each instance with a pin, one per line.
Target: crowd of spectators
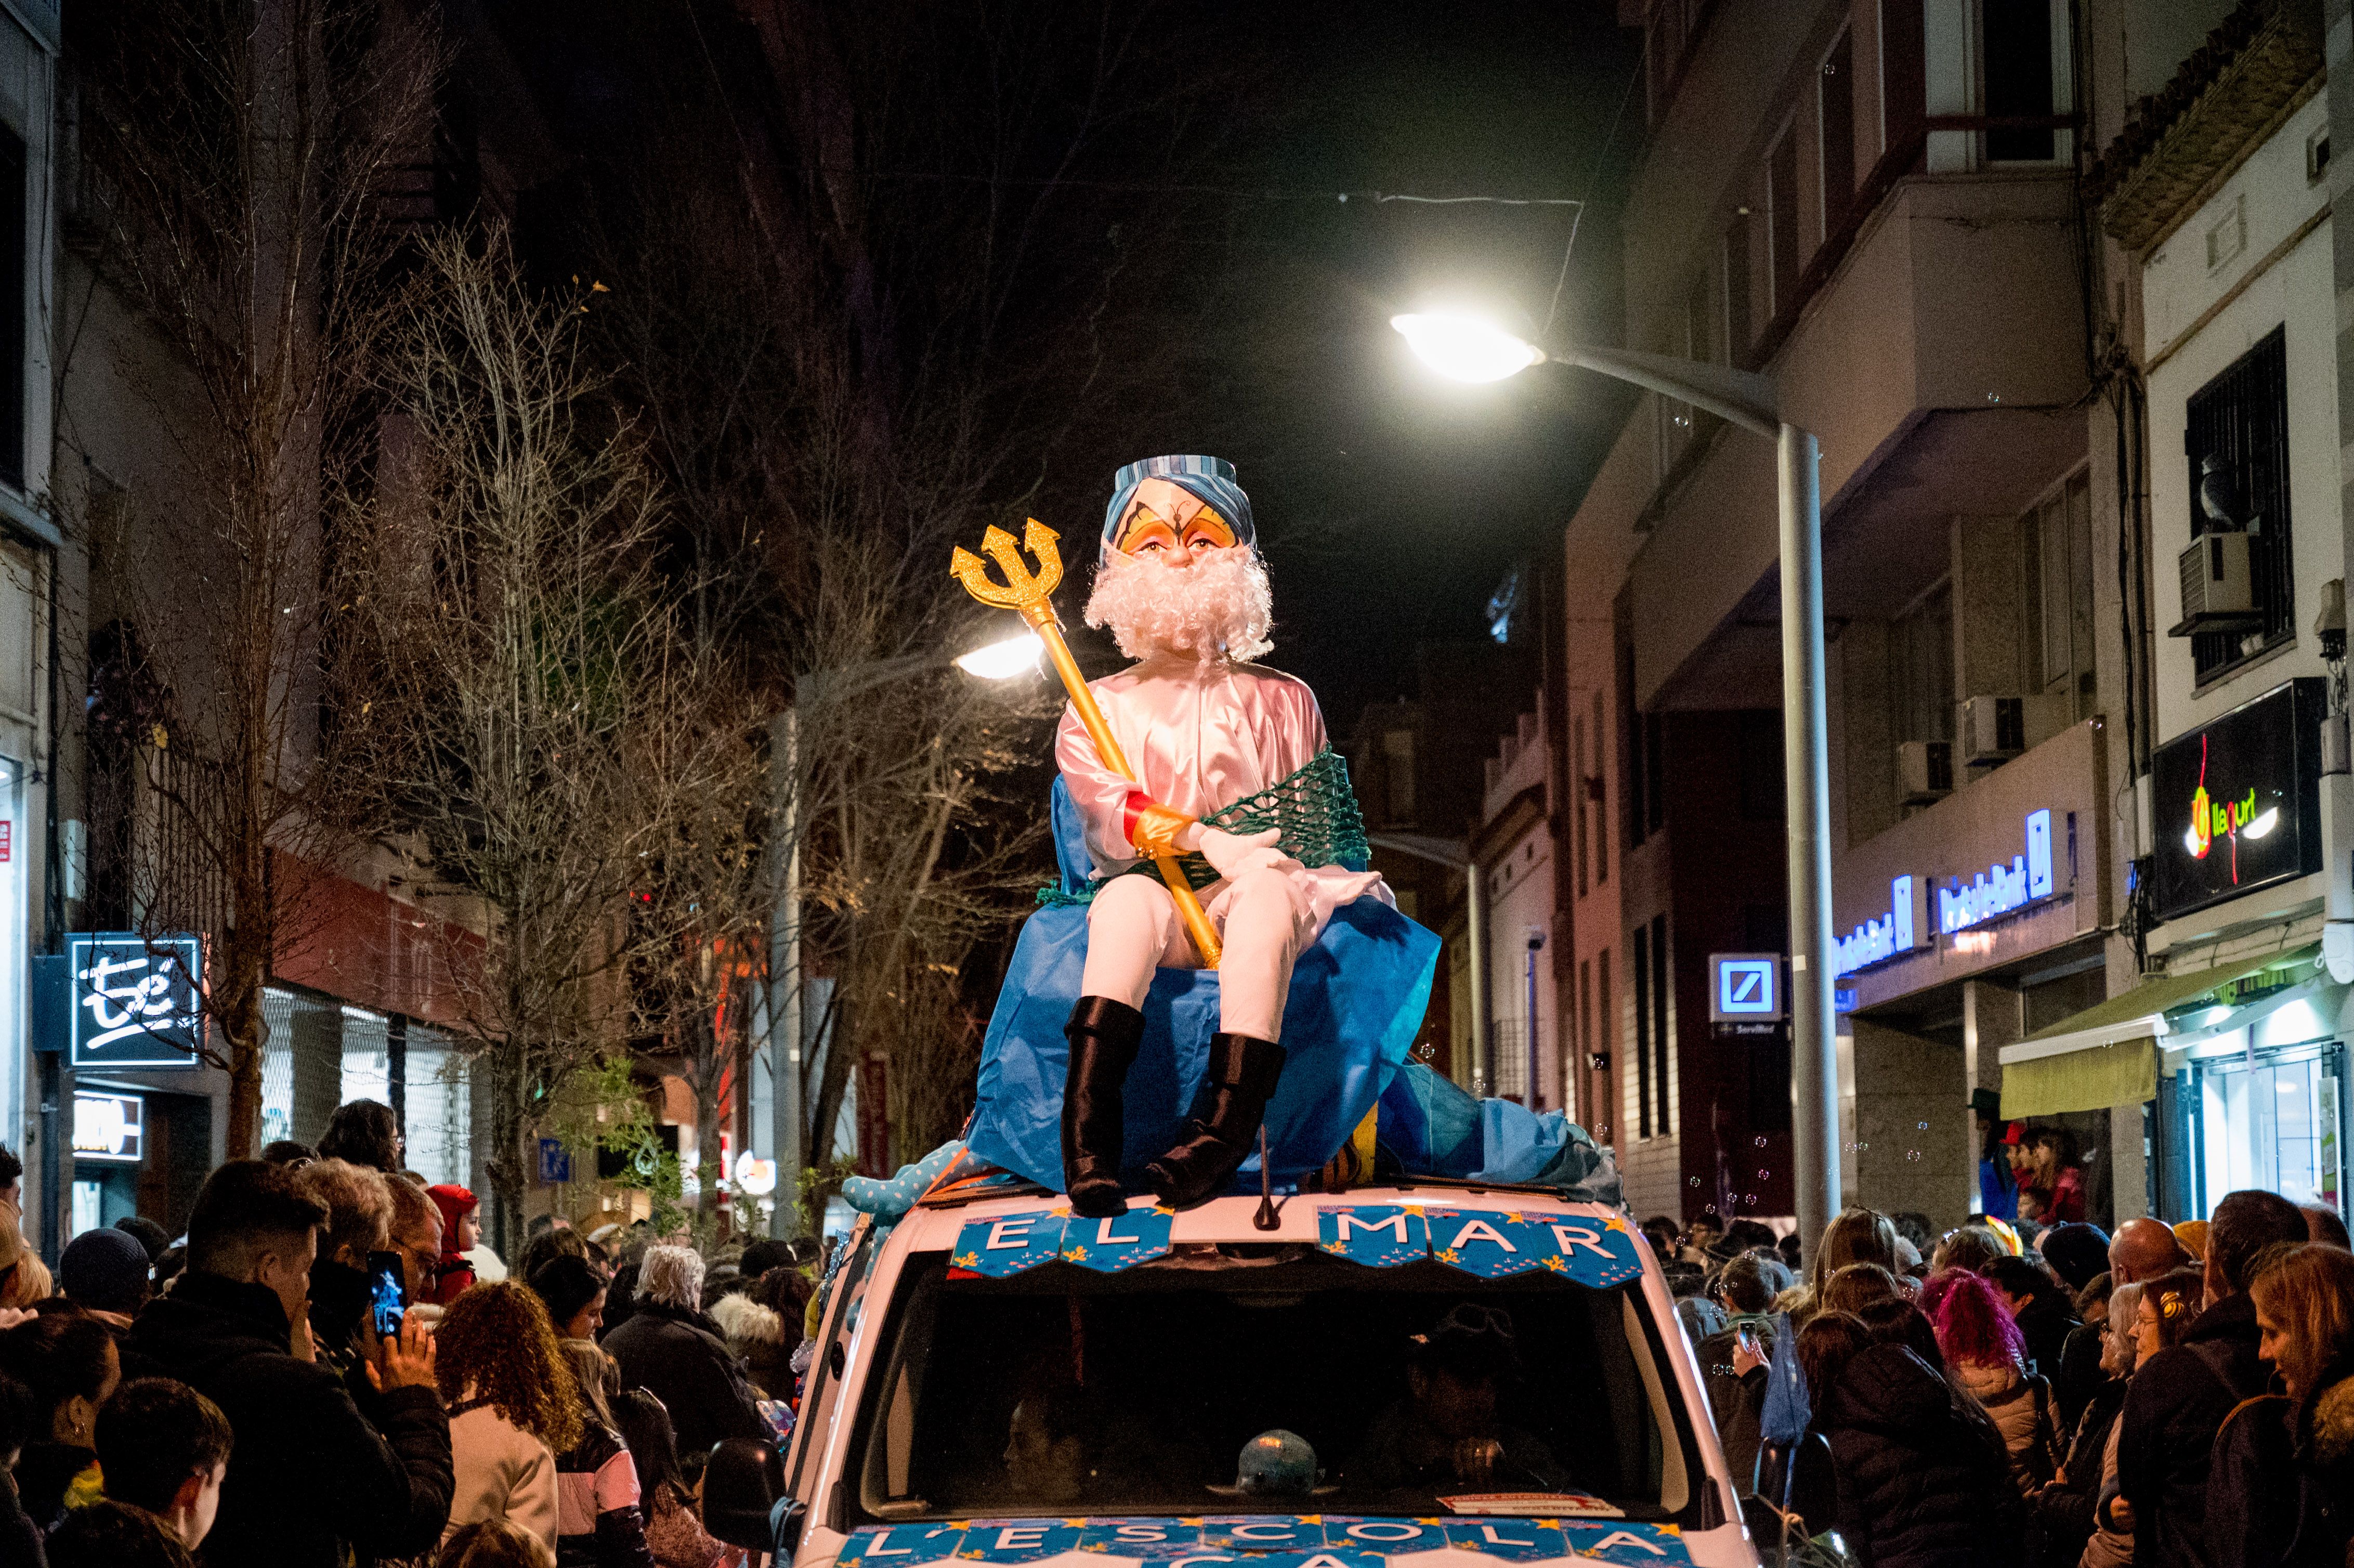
(229, 1397)
(2170, 1396)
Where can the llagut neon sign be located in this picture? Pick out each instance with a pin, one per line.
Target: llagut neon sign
(2000, 889)
(2233, 820)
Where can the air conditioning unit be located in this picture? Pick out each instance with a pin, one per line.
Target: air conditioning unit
(1925, 771)
(2218, 593)
(1996, 729)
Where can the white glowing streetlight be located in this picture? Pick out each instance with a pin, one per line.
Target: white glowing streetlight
(1464, 347)
(1471, 348)
(1004, 661)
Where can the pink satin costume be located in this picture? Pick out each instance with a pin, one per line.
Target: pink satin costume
(1200, 736)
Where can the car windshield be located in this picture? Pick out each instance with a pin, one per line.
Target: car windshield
(1354, 1390)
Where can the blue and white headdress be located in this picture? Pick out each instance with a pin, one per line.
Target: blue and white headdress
(1208, 480)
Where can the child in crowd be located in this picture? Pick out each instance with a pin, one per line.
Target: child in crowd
(164, 1448)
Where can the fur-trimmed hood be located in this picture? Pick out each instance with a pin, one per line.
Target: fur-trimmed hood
(744, 1322)
(2331, 1423)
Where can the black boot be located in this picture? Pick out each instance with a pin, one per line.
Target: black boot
(1241, 1078)
(1104, 1036)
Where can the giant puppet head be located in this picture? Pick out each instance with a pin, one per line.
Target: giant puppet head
(1180, 571)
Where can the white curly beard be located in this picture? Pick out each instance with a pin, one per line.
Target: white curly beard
(1218, 607)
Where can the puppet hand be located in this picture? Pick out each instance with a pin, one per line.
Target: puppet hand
(1235, 853)
(1159, 830)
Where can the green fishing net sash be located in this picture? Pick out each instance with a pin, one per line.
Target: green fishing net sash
(1314, 810)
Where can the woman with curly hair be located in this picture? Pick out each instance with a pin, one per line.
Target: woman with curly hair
(1987, 1355)
(513, 1407)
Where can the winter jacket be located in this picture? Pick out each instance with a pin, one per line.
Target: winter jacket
(2081, 1375)
(45, 1472)
(2022, 1408)
(1738, 1402)
(1922, 1479)
(310, 1473)
(2045, 1323)
(2176, 1403)
(598, 1522)
(2061, 1513)
(756, 1336)
(679, 1358)
(503, 1472)
(2281, 1494)
(20, 1538)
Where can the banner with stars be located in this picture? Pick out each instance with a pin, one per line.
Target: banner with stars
(1263, 1540)
(1490, 1244)
(1011, 1243)
(1379, 1235)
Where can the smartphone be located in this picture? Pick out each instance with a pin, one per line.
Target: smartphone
(387, 1298)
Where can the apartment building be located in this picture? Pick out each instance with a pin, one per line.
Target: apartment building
(30, 547)
(1513, 853)
(1874, 201)
(1409, 760)
(2224, 1046)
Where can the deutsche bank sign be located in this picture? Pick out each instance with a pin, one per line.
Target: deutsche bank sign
(1744, 987)
(2000, 889)
(1904, 927)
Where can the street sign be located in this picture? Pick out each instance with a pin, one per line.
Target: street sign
(555, 1162)
(135, 1000)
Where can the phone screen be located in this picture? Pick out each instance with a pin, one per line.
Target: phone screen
(387, 1299)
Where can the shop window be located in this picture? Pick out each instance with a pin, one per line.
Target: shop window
(1921, 667)
(1835, 97)
(2272, 1120)
(2235, 447)
(2057, 557)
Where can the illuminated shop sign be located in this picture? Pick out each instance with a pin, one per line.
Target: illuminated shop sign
(135, 1001)
(1904, 927)
(110, 1127)
(2237, 801)
(2000, 889)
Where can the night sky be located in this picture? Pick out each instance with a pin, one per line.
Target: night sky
(1391, 504)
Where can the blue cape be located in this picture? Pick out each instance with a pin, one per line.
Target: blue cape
(1357, 999)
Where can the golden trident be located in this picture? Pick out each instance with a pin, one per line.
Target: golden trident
(1032, 594)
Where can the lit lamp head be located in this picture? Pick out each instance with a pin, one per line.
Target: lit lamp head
(1004, 661)
(1466, 348)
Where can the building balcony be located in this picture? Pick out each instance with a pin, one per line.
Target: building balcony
(1939, 361)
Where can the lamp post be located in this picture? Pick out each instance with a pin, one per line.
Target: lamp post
(785, 1016)
(1466, 348)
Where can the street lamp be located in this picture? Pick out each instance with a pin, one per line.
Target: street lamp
(1467, 348)
(1001, 660)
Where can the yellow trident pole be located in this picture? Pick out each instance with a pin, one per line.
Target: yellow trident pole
(1034, 596)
